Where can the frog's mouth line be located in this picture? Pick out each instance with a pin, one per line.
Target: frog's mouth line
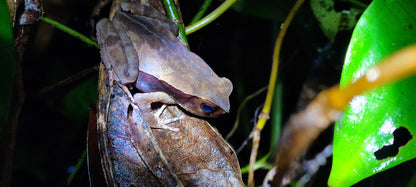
(189, 104)
(147, 83)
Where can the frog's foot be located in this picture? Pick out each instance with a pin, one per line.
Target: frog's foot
(159, 112)
(144, 100)
(164, 122)
(163, 125)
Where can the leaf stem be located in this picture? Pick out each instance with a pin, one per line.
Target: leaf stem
(400, 65)
(303, 127)
(201, 11)
(69, 31)
(260, 164)
(79, 164)
(264, 116)
(172, 13)
(240, 108)
(210, 17)
(68, 80)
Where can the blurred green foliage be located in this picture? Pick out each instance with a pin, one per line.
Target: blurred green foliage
(7, 59)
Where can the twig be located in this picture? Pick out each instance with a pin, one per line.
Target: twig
(201, 11)
(264, 116)
(172, 13)
(240, 108)
(305, 126)
(78, 166)
(250, 136)
(210, 17)
(260, 164)
(69, 31)
(69, 80)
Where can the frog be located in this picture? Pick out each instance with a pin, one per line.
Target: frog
(141, 46)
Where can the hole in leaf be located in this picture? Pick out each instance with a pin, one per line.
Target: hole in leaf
(401, 137)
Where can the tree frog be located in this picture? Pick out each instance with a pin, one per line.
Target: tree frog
(140, 45)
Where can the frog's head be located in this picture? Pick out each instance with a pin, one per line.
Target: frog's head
(212, 103)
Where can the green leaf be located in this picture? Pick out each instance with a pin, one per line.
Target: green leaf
(7, 62)
(276, 118)
(331, 21)
(372, 120)
(77, 102)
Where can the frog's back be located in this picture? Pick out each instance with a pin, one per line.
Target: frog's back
(163, 56)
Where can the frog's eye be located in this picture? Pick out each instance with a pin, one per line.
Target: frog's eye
(207, 107)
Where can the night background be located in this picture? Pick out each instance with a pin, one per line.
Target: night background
(51, 134)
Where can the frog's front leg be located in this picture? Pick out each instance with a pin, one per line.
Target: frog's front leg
(144, 102)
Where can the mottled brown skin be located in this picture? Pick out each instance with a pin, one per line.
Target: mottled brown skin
(144, 52)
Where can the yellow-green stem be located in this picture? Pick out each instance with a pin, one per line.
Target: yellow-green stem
(264, 116)
(210, 17)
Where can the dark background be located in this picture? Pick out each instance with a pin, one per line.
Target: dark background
(52, 130)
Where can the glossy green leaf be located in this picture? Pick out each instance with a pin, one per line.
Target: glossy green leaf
(7, 62)
(372, 120)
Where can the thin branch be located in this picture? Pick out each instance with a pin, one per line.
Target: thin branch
(69, 31)
(260, 164)
(78, 166)
(272, 83)
(69, 79)
(240, 108)
(400, 65)
(172, 13)
(210, 17)
(304, 127)
(201, 11)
